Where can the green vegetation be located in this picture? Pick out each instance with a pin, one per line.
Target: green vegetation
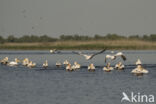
(111, 41)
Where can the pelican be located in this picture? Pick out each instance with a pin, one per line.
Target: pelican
(108, 68)
(58, 64)
(88, 57)
(91, 67)
(25, 62)
(14, 63)
(76, 66)
(119, 66)
(54, 51)
(113, 57)
(45, 64)
(66, 62)
(138, 62)
(139, 70)
(31, 64)
(5, 61)
(69, 67)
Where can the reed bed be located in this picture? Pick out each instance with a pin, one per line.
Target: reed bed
(87, 45)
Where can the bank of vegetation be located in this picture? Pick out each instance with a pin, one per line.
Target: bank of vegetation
(68, 42)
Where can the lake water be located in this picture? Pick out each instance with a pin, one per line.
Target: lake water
(21, 85)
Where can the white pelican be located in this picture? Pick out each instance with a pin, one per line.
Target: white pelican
(5, 61)
(69, 68)
(14, 63)
(66, 62)
(139, 70)
(25, 62)
(76, 66)
(113, 57)
(88, 57)
(91, 67)
(58, 64)
(138, 62)
(54, 51)
(31, 64)
(108, 68)
(45, 64)
(119, 66)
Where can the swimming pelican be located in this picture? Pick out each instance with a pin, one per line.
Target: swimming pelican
(5, 61)
(45, 64)
(113, 57)
(66, 62)
(76, 66)
(14, 63)
(91, 67)
(31, 64)
(138, 62)
(69, 68)
(58, 64)
(139, 70)
(119, 66)
(108, 68)
(25, 62)
(88, 57)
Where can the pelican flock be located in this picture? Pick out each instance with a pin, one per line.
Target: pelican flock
(139, 70)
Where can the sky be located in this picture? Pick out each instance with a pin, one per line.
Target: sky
(83, 17)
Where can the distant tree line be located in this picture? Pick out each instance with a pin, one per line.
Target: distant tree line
(76, 37)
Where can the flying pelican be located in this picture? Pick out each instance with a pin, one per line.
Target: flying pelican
(45, 64)
(108, 68)
(119, 66)
(54, 51)
(91, 67)
(113, 57)
(139, 70)
(88, 57)
(14, 63)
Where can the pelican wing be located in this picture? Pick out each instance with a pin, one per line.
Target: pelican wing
(98, 53)
(107, 57)
(78, 53)
(122, 56)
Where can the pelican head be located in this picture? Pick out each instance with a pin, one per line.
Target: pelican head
(17, 60)
(108, 64)
(138, 62)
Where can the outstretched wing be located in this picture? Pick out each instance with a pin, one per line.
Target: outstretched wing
(107, 57)
(122, 55)
(78, 53)
(98, 53)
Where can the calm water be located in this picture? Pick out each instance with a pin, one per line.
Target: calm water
(21, 85)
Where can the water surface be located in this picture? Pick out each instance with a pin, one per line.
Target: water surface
(21, 85)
